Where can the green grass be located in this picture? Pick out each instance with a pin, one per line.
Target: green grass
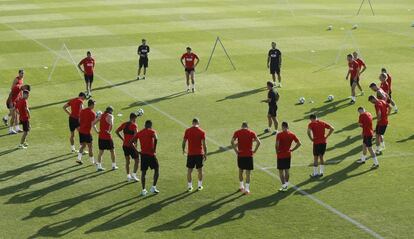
(44, 194)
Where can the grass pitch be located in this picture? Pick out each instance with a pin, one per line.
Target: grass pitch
(44, 193)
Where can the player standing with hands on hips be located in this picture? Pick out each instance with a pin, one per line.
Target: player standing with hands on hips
(88, 64)
(143, 51)
(274, 63)
(189, 61)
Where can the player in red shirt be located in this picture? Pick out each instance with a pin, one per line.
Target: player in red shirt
(365, 122)
(189, 61)
(387, 89)
(352, 75)
(362, 68)
(24, 117)
(76, 105)
(88, 64)
(284, 141)
(381, 109)
(19, 80)
(196, 152)
(381, 94)
(242, 143)
(14, 96)
(105, 142)
(129, 129)
(389, 79)
(316, 133)
(148, 140)
(87, 120)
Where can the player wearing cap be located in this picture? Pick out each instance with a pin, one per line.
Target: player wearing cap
(76, 105)
(105, 142)
(242, 143)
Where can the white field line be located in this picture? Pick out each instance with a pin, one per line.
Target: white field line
(321, 203)
(54, 65)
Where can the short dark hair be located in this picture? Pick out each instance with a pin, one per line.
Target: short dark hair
(360, 108)
(91, 102)
(21, 71)
(285, 124)
(384, 70)
(109, 109)
(349, 55)
(143, 39)
(312, 116)
(188, 48)
(245, 124)
(196, 121)
(28, 88)
(132, 116)
(371, 97)
(269, 83)
(82, 94)
(88, 53)
(372, 85)
(148, 124)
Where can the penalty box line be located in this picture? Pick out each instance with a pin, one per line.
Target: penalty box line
(313, 198)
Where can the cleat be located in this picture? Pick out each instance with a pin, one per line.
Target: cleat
(193, 90)
(74, 151)
(129, 178)
(79, 162)
(144, 192)
(320, 175)
(395, 111)
(26, 144)
(274, 132)
(100, 169)
(154, 190)
(352, 102)
(314, 175)
(247, 193)
(12, 132)
(360, 161)
(266, 130)
(19, 130)
(200, 188)
(143, 78)
(138, 78)
(21, 146)
(377, 152)
(5, 121)
(375, 166)
(190, 189)
(362, 93)
(85, 152)
(241, 190)
(188, 90)
(283, 189)
(114, 168)
(135, 178)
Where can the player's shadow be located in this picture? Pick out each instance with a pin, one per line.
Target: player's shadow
(49, 104)
(347, 128)
(31, 196)
(242, 94)
(331, 179)
(221, 149)
(344, 143)
(338, 159)
(263, 136)
(240, 211)
(114, 85)
(33, 166)
(330, 107)
(55, 208)
(129, 217)
(155, 100)
(406, 139)
(8, 151)
(192, 217)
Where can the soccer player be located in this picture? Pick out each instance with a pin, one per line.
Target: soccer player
(143, 51)
(316, 133)
(381, 108)
(76, 105)
(242, 143)
(272, 99)
(17, 81)
(381, 94)
(385, 86)
(87, 119)
(365, 122)
(129, 129)
(189, 61)
(19, 78)
(88, 64)
(274, 63)
(24, 116)
(284, 141)
(148, 140)
(362, 68)
(352, 75)
(389, 79)
(14, 96)
(105, 142)
(196, 152)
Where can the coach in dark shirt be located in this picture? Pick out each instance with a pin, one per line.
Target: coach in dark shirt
(143, 51)
(274, 63)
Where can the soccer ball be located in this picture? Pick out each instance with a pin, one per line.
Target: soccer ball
(330, 97)
(140, 112)
(330, 27)
(98, 113)
(354, 26)
(302, 100)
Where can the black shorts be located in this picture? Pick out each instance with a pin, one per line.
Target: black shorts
(143, 62)
(351, 81)
(380, 129)
(195, 161)
(89, 79)
(389, 94)
(106, 144)
(10, 105)
(189, 70)
(85, 138)
(148, 161)
(319, 149)
(274, 69)
(130, 152)
(283, 163)
(73, 124)
(26, 125)
(272, 111)
(245, 163)
(367, 141)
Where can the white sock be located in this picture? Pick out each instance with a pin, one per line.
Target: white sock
(10, 128)
(241, 184)
(92, 159)
(99, 165)
(134, 174)
(79, 156)
(188, 87)
(72, 147)
(113, 164)
(377, 147)
(286, 184)
(383, 144)
(190, 184)
(128, 175)
(363, 157)
(17, 127)
(247, 186)
(321, 167)
(353, 98)
(193, 86)
(375, 160)
(315, 170)
(200, 183)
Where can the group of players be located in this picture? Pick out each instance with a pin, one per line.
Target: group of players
(194, 141)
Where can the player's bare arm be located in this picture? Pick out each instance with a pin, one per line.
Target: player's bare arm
(297, 145)
(310, 134)
(268, 61)
(233, 145)
(80, 68)
(258, 143)
(119, 135)
(155, 143)
(277, 146)
(65, 108)
(197, 61)
(183, 146)
(205, 149)
(331, 130)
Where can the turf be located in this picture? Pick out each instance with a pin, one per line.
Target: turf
(44, 193)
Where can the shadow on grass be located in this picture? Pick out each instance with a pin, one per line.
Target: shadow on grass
(406, 139)
(347, 128)
(8, 151)
(192, 217)
(327, 108)
(129, 217)
(338, 159)
(346, 142)
(220, 150)
(156, 100)
(242, 94)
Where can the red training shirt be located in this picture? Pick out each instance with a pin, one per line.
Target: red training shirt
(365, 121)
(146, 139)
(21, 106)
(389, 80)
(195, 136)
(385, 87)
(318, 131)
(245, 138)
(285, 139)
(382, 106)
(88, 65)
(104, 127)
(189, 59)
(75, 107)
(86, 117)
(353, 69)
(129, 130)
(16, 93)
(360, 62)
